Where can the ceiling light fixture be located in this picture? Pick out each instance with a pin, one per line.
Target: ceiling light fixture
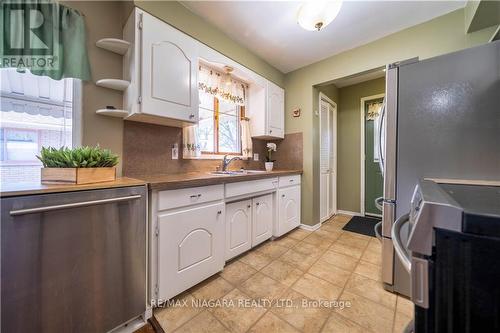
(317, 14)
(227, 77)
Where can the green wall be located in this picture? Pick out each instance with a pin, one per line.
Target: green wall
(183, 19)
(439, 36)
(349, 142)
(481, 14)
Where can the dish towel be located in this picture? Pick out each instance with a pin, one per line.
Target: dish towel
(246, 139)
(191, 146)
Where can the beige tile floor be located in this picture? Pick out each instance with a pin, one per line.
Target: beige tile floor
(302, 266)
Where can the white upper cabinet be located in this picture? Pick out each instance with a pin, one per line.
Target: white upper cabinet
(266, 109)
(163, 71)
(275, 110)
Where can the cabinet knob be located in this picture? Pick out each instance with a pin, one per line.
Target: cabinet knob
(291, 180)
(270, 131)
(219, 212)
(191, 116)
(282, 195)
(249, 206)
(258, 203)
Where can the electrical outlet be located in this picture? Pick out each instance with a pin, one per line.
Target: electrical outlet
(175, 151)
(255, 157)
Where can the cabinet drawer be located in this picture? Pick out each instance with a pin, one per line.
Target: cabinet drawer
(252, 186)
(189, 196)
(289, 180)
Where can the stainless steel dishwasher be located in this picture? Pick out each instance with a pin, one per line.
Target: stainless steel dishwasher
(73, 262)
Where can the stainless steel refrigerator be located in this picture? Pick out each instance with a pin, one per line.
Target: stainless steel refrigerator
(441, 120)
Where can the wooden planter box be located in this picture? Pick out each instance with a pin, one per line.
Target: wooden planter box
(77, 175)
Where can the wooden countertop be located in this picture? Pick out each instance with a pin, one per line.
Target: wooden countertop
(155, 182)
(204, 178)
(11, 190)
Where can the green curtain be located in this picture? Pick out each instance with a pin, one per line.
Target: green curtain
(56, 48)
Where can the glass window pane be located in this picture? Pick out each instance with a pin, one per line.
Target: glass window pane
(35, 111)
(228, 108)
(206, 130)
(206, 101)
(229, 134)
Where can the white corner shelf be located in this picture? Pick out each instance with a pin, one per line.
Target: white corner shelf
(115, 84)
(115, 45)
(117, 113)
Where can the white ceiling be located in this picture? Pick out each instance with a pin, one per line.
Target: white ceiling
(270, 29)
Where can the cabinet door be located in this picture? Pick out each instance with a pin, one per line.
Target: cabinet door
(275, 111)
(169, 71)
(190, 247)
(262, 218)
(238, 228)
(289, 209)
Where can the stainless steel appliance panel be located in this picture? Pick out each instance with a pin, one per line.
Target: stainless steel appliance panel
(448, 119)
(388, 210)
(73, 262)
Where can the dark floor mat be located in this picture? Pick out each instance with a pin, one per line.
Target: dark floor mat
(362, 225)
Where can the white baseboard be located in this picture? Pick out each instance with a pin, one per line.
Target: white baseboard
(310, 227)
(346, 212)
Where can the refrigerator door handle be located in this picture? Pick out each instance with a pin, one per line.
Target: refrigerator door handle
(381, 156)
(390, 127)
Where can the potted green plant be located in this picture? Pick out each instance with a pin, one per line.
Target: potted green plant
(269, 161)
(82, 165)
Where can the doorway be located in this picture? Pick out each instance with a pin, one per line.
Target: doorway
(371, 174)
(328, 157)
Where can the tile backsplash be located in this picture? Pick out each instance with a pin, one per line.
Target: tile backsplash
(147, 150)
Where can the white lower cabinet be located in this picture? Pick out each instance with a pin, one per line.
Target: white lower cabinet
(190, 247)
(238, 228)
(288, 209)
(248, 223)
(194, 231)
(262, 216)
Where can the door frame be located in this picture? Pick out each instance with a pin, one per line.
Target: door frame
(333, 180)
(362, 152)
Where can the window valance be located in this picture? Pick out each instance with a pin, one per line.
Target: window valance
(221, 85)
(58, 47)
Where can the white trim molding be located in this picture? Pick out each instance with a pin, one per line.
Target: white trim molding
(362, 152)
(310, 227)
(348, 212)
(334, 134)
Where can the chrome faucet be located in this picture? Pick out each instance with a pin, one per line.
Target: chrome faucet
(226, 162)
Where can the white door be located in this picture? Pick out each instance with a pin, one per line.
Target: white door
(289, 208)
(325, 160)
(275, 110)
(238, 228)
(169, 71)
(262, 218)
(190, 247)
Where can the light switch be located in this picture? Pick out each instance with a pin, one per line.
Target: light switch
(255, 157)
(175, 151)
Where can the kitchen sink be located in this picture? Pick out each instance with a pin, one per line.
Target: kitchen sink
(237, 172)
